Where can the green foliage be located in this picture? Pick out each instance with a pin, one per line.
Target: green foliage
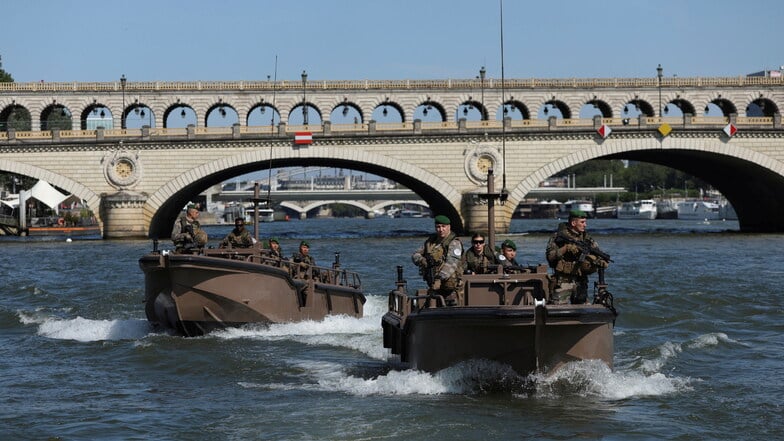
(640, 179)
(5, 77)
(345, 210)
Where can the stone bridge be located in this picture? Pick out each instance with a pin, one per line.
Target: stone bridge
(138, 179)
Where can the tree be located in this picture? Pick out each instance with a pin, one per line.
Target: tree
(5, 77)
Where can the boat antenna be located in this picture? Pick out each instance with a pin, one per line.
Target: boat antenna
(503, 195)
(272, 130)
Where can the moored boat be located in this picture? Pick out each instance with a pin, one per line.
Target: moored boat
(698, 210)
(643, 209)
(583, 205)
(195, 293)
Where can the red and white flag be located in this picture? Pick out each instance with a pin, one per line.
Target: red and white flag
(303, 138)
(604, 130)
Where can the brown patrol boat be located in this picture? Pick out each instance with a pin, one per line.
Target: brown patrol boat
(502, 317)
(206, 289)
(192, 294)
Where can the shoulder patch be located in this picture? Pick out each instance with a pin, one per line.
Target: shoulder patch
(501, 257)
(457, 252)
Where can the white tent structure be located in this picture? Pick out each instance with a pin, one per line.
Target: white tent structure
(43, 192)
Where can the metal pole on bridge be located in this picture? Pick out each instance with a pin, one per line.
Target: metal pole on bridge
(659, 73)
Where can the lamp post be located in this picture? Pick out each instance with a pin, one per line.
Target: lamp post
(659, 72)
(482, 73)
(122, 111)
(304, 102)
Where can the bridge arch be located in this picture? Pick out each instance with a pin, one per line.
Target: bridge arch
(92, 200)
(751, 181)
(163, 207)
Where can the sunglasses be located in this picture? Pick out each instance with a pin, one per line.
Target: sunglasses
(478, 241)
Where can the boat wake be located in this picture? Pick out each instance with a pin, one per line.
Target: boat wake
(87, 330)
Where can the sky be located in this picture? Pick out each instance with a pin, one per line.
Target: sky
(174, 40)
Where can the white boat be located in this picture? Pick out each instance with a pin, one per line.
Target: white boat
(584, 206)
(727, 211)
(698, 210)
(644, 209)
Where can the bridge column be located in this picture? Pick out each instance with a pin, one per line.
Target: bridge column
(122, 215)
(474, 212)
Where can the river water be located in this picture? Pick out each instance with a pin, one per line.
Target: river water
(699, 348)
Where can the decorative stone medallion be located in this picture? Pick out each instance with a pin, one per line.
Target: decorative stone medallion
(479, 158)
(122, 169)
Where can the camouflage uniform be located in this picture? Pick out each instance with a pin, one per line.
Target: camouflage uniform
(510, 265)
(238, 239)
(479, 263)
(187, 234)
(446, 265)
(571, 268)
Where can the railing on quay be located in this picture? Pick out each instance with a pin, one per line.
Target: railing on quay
(393, 129)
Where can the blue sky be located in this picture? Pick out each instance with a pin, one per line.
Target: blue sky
(368, 39)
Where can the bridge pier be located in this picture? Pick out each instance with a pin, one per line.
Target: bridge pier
(122, 215)
(474, 213)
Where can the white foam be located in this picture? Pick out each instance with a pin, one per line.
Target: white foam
(712, 339)
(360, 334)
(594, 378)
(85, 330)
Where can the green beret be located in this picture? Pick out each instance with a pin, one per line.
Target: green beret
(509, 244)
(274, 239)
(193, 206)
(304, 243)
(577, 214)
(443, 220)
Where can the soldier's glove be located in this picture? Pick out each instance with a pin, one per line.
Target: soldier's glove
(601, 263)
(437, 284)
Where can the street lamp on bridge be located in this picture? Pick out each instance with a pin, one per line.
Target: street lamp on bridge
(304, 102)
(482, 73)
(659, 72)
(122, 111)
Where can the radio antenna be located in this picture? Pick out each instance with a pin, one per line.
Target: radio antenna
(503, 194)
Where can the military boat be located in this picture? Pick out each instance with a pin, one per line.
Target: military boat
(204, 289)
(504, 317)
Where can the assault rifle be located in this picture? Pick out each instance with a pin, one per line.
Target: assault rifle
(428, 273)
(585, 249)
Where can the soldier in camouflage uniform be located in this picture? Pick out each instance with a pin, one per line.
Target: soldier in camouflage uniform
(303, 262)
(479, 259)
(239, 237)
(439, 260)
(507, 257)
(187, 233)
(571, 263)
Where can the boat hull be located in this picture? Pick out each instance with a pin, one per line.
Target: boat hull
(499, 319)
(502, 334)
(195, 294)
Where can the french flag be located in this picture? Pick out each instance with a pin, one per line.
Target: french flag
(303, 138)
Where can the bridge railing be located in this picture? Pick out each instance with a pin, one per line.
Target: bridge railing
(490, 83)
(392, 129)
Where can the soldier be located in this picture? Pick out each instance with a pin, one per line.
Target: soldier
(303, 262)
(303, 255)
(439, 260)
(274, 248)
(507, 257)
(479, 258)
(239, 237)
(572, 253)
(187, 233)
